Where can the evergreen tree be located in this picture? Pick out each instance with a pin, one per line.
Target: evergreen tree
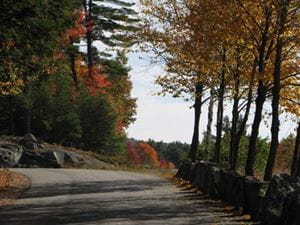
(112, 24)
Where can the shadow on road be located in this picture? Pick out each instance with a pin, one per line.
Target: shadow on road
(92, 187)
(102, 202)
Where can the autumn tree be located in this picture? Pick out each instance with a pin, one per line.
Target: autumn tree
(286, 39)
(187, 41)
(28, 55)
(295, 169)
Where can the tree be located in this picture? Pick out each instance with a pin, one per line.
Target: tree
(98, 120)
(117, 74)
(295, 169)
(55, 116)
(287, 16)
(112, 24)
(28, 55)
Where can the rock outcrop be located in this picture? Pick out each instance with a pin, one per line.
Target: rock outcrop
(10, 154)
(280, 187)
(31, 152)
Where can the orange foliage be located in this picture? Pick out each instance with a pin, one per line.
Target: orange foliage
(151, 156)
(97, 82)
(141, 153)
(133, 153)
(78, 30)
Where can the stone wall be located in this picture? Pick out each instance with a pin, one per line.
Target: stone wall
(274, 203)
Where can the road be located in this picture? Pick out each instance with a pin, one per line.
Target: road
(86, 197)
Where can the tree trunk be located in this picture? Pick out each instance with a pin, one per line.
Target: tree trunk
(295, 170)
(261, 94)
(233, 130)
(241, 130)
(193, 154)
(235, 114)
(89, 41)
(220, 113)
(207, 153)
(11, 115)
(72, 59)
(27, 113)
(276, 92)
(260, 100)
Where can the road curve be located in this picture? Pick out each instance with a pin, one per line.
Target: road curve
(86, 197)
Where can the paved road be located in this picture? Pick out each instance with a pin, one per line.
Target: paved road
(86, 197)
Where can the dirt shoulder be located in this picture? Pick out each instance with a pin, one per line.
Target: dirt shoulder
(12, 185)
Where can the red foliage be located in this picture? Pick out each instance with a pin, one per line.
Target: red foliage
(142, 153)
(79, 29)
(150, 153)
(97, 82)
(133, 153)
(164, 164)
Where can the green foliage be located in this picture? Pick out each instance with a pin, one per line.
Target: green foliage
(30, 32)
(175, 152)
(118, 74)
(37, 94)
(285, 154)
(97, 121)
(55, 116)
(113, 22)
(262, 149)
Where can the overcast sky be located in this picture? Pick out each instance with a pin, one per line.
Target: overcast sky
(166, 118)
(169, 119)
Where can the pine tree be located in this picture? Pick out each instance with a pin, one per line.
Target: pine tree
(112, 24)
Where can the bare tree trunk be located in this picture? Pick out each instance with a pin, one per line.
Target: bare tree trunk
(220, 113)
(296, 158)
(74, 76)
(261, 94)
(27, 113)
(284, 4)
(233, 130)
(208, 143)
(295, 170)
(11, 115)
(241, 130)
(193, 154)
(260, 100)
(89, 41)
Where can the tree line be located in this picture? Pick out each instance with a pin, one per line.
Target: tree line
(56, 83)
(238, 51)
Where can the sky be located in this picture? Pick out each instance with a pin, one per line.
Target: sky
(158, 118)
(169, 119)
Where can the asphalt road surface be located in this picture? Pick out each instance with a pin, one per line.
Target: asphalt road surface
(86, 197)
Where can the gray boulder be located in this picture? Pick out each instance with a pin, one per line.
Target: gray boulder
(31, 145)
(30, 138)
(30, 142)
(60, 156)
(31, 159)
(184, 170)
(56, 156)
(10, 155)
(254, 193)
(200, 178)
(279, 189)
(291, 209)
(214, 175)
(72, 158)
